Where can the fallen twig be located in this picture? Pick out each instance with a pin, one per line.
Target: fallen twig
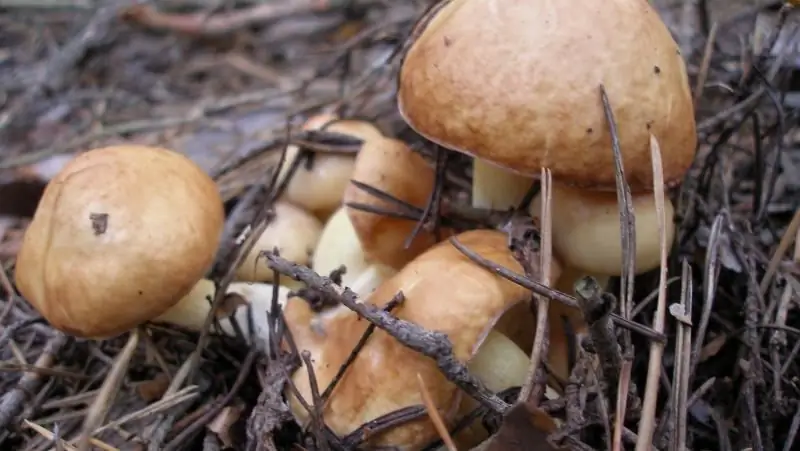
(434, 345)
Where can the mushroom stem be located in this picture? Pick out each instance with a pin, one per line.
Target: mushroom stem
(497, 188)
(500, 364)
(192, 310)
(339, 245)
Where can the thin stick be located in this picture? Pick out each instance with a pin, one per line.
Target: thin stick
(436, 419)
(542, 302)
(647, 423)
(110, 388)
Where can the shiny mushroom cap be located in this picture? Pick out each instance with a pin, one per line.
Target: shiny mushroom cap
(120, 235)
(516, 84)
(389, 165)
(319, 187)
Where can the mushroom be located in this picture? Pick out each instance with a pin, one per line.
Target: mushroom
(120, 235)
(389, 165)
(516, 85)
(372, 246)
(319, 187)
(443, 291)
(293, 231)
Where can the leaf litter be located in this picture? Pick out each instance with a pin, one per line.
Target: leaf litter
(228, 83)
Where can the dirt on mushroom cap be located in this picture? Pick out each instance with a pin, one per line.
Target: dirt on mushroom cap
(517, 84)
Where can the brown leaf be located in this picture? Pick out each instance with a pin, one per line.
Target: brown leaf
(221, 424)
(524, 428)
(153, 389)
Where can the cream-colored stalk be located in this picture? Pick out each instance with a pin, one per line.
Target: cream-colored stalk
(339, 245)
(192, 310)
(496, 188)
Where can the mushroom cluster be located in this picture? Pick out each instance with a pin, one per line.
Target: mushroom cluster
(124, 235)
(513, 84)
(516, 85)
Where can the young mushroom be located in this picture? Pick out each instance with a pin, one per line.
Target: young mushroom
(338, 246)
(516, 85)
(390, 166)
(318, 185)
(120, 235)
(443, 291)
(293, 231)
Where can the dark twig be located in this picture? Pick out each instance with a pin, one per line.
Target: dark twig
(434, 345)
(550, 293)
(397, 300)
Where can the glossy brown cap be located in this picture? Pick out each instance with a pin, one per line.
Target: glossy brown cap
(516, 84)
(444, 291)
(120, 235)
(390, 166)
(319, 189)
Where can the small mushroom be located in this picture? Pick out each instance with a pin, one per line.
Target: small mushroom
(120, 235)
(318, 186)
(443, 291)
(338, 246)
(389, 165)
(293, 231)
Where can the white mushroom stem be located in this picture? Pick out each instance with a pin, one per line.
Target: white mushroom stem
(339, 245)
(192, 310)
(496, 188)
(500, 364)
(586, 233)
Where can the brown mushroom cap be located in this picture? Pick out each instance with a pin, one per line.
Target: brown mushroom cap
(319, 189)
(444, 291)
(516, 84)
(293, 231)
(389, 165)
(120, 235)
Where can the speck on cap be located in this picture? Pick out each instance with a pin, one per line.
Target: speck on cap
(516, 83)
(120, 235)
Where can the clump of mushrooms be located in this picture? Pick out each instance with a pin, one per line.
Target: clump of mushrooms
(443, 291)
(120, 235)
(531, 100)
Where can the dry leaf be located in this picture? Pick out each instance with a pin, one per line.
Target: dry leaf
(154, 389)
(524, 429)
(712, 347)
(221, 424)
